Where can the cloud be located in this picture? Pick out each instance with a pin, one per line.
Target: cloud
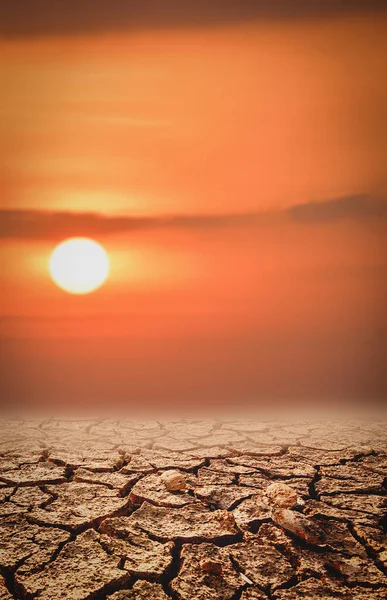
(48, 17)
(33, 224)
(47, 225)
(357, 206)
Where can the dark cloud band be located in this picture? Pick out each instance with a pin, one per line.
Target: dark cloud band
(48, 17)
(46, 225)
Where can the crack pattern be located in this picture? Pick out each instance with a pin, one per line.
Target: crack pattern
(192, 510)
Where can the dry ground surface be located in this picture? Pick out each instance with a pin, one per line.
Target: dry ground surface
(193, 510)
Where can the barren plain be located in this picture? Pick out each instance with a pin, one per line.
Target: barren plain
(193, 509)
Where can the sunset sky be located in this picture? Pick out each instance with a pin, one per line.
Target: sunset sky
(232, 161)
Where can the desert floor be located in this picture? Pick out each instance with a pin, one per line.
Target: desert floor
(193, 509)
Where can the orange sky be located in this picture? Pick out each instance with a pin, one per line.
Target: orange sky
(279, 121)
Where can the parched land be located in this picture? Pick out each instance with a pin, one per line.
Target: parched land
(193, 510)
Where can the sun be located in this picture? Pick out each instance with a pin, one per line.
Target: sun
(79, 265)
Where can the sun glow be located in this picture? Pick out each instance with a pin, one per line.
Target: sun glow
(79, 265)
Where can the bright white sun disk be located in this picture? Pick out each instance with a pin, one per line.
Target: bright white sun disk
(79, 265)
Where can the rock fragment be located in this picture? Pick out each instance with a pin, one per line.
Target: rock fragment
(299, 525)
(174, 481)
(282, 495)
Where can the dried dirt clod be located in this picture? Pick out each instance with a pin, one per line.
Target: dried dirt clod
(152, 489)
(360, 503)
(376, 464)
(113, 480)
(163, 459)
(137, 464)
(142, 556)
(363, 593)
(28, 544)
(77, 505)
(82, 570)
(142, 590)
(213, 452)
(174, 481)
(357, 570)
(251, 511)
(192, 582)
(39, 474)
(223, 496)
(315, 589)
(327, 486)
(322, 457)
(207, 476)
(324, 510)
(282, 495)
(253, 594)
(279, 466)
(190, 523)
(263, 565)
(299, 525)
(339, 539)
(374, 539)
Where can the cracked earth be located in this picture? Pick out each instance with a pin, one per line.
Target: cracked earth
(193, 510)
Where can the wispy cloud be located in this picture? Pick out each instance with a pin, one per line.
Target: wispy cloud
(47, 17)
(47, 225)
(357, 206)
